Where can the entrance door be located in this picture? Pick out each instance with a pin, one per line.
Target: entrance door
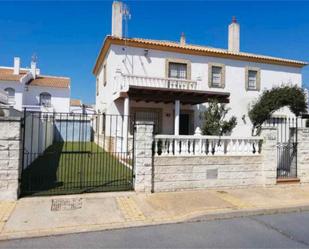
(184, 120)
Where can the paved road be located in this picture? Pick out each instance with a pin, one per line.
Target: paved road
(271, 231)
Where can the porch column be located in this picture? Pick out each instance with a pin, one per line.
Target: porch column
(126, 113)
(176, 122)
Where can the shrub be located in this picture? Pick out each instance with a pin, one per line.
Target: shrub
(272, 100)
(214, 120)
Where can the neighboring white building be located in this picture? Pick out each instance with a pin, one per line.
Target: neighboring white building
(171, 82)
(28, 88)
(77, 107)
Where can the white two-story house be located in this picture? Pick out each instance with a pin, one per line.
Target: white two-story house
(170, 82)
(28, 88)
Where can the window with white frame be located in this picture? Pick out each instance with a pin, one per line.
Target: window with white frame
(253, 79)
(216, 76)
(177, 70)
(11, 94)
(45, 99)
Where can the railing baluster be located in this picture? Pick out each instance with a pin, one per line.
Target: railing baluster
(170, 145)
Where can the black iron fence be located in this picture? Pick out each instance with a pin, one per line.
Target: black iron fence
(67, 153)
(287, 142)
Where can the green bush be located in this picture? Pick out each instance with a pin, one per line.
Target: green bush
(214, 120)
(271, 100)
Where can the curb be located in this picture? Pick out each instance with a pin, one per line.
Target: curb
(246, 213)
(221, 215)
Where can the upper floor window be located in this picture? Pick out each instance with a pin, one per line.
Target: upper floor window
(177, 70)
(252, 79)
(216, 75)
(45, 99)
(11, 95)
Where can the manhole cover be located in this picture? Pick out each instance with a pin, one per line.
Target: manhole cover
(66, 204)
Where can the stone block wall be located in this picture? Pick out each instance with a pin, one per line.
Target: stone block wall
(10, 157)
(303, 155)
(143, 156)
(269, 155)
(173, 173)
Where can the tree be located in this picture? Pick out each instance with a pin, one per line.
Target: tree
(271, 100)
(214, 120)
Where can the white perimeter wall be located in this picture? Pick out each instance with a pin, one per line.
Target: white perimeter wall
(39, 134)
(133, 61)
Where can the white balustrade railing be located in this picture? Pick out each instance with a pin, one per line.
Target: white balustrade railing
(125, 80)
(170, 145)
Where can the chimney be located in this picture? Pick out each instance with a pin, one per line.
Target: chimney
(16, 65)
(234, 37)
(182, 39)
(33, 69)
(117, 19)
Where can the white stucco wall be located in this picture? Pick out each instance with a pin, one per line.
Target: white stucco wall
(132, 61)
(60, 97)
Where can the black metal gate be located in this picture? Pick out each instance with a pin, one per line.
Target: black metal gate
(65, 153)
(287, 142)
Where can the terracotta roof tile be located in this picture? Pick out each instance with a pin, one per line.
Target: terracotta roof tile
(6, 74)
(75, 102)
(50, 81)
(190, 49)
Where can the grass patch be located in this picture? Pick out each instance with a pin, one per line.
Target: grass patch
(76, 167)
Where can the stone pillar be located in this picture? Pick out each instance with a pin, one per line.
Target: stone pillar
(303, 155)
(269, 155)
(143, 159)
(177, 113)
(10, 157)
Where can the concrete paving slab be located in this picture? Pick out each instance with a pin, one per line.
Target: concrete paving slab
(176, 204)
(36, 214)
(42, 216)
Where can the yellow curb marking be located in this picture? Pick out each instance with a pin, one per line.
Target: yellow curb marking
(130, 209)
(233, 200)
(6, 208)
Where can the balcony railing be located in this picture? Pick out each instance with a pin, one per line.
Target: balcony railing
(170, 145)
(126, 80)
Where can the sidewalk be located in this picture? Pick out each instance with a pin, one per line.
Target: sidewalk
(41, 216)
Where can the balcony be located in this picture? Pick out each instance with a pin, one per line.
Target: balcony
(124, 81)
(167, 90)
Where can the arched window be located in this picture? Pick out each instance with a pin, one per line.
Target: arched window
(11, 94)
(45, 99)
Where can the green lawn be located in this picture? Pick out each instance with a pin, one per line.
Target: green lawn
(73, 167)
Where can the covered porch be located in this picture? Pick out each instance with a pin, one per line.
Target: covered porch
(173, 111)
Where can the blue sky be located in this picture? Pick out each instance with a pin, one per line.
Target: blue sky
(66, 36)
